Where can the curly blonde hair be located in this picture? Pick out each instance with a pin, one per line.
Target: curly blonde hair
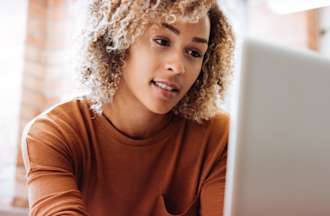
(113, 25)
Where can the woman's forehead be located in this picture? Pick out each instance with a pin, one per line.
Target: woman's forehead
(200, 28)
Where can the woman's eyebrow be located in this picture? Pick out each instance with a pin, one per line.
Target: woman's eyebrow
(200, 40)
(177, 31)
(171, 28)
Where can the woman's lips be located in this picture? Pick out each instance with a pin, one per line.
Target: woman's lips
(164, 91)
(171, 86)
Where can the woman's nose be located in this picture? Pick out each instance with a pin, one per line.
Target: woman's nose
(175, 65)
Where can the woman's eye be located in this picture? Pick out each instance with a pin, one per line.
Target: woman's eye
(195, 53)
(162, 41)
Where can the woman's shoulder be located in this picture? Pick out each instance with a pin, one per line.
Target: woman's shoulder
(218, 123)
(69, 107)
(209, 138)
(211, 134)
(63, 116)
(55, 137)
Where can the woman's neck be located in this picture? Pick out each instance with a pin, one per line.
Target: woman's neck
(134, 120)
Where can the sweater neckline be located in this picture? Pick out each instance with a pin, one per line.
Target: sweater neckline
(169, 129)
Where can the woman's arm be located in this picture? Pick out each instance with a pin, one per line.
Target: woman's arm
(52, 187)
(213, 188)
(212, 193)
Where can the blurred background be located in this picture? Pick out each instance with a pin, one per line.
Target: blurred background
(37, 46)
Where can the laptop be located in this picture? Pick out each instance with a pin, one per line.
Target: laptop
(279, 142)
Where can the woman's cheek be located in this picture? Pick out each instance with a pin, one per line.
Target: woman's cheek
(157, 50)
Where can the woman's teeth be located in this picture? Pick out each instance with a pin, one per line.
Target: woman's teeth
(164, 86)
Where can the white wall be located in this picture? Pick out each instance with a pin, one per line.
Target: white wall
(13, 212)
(12, 25)
(236, 11)
(325, 38)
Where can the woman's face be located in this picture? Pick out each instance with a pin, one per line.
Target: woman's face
(164, 63)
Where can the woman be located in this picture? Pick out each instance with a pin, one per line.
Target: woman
(148, 137)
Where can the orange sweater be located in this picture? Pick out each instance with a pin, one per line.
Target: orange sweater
(79, 164)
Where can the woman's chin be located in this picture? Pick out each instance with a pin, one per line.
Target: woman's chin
(160, 110)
